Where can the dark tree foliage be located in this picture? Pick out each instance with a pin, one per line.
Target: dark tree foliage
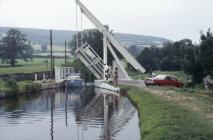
(192, 64)
(170, 57)
(173, 54)
(14, 45)
(134, 50)
(150, 58)
(93, 37)
(206, 52)
(196, 60)
(44, 48)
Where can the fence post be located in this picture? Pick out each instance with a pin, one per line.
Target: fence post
(35, 76)
(44, 76)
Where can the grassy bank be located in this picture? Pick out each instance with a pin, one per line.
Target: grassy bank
(36, 65)
(3, 87)
(167, 120)
(15, 88)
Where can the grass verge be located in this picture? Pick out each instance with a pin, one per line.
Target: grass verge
(161, 119)
(19, 87)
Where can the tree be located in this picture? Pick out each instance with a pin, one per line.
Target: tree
(192, 63)
(93, 37)
(134, 50)
(198, 60)
(14, 45)
(149, 58)
(173, 54)
(206, 52)
(170, 57)
(44, 48)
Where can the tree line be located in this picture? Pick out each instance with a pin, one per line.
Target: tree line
(183, 55)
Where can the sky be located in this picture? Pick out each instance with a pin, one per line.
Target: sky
(171, 19)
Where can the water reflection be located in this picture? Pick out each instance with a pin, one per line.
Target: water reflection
(52, 105)
(71, 114)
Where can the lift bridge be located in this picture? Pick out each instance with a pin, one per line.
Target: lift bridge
(91, 59)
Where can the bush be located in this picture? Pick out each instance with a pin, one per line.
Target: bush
(12, 85)
(28, 86)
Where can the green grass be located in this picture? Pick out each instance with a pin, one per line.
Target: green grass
(197, 99)
(22, 87)
(3, 86)
(38, 64)
(161, 119)
(56, 48)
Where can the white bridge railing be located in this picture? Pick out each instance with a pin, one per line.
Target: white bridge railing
(63, 72)
(91, 59)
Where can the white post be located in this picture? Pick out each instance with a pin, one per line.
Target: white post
(35, 77)
(61, 73)
(104, 51)
(44, 77)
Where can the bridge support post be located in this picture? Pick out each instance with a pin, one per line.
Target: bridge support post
(104, 51)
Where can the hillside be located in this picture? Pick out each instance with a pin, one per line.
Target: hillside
(41, 36)
(140, 40)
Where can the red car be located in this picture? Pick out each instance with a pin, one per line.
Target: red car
(163, 80)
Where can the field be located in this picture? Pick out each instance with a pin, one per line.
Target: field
(56, 48)
(163, 119)
(36, 65)
(173, 113)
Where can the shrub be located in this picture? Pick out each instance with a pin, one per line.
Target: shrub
(12, 85)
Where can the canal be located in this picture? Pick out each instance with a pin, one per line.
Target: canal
(80, 114)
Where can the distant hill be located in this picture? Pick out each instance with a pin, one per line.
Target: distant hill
(140, 40)
(41, 36)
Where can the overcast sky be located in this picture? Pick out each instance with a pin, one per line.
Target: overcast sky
(172, 19)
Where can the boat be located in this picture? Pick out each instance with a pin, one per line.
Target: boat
(74, 81)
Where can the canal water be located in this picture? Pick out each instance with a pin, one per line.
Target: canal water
(79, 114)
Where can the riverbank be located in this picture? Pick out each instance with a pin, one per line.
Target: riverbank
(12, 88)
(161, 118)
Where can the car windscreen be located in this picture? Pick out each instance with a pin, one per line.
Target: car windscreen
(173, 78)
(160, 77)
